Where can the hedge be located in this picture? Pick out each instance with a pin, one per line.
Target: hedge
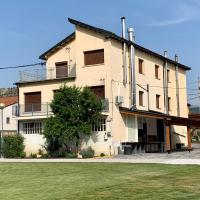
(13, 146)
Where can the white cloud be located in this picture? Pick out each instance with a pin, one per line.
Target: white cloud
(181, 13)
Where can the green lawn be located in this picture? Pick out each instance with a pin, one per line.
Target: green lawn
(59, 181)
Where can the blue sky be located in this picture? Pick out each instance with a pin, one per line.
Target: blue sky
(28, 28)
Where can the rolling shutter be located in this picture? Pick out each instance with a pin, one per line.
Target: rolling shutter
(32, 101)
(61, 69)
(99, 91)
(94, 57)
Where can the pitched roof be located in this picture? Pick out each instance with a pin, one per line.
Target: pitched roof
(9, 100)
(108, 34)
(58, 46)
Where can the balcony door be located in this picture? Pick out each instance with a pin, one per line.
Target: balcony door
(32, 101)
(61, 69)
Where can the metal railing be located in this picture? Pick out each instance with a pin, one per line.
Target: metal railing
(48, 73)
(43, 109)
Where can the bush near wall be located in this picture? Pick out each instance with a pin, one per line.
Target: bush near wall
(13, 146)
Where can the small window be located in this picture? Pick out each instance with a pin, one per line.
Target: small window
(156, 71)
(101, 125)
(140, 66)
(141, 98)
(7, 120)
(61, 69)
(158, 101)
(168, 76)
(94, 57)
(169, 103)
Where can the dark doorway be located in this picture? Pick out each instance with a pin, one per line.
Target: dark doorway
(160, 130)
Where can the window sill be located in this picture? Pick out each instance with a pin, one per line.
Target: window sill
(93, 65)
(158, 79)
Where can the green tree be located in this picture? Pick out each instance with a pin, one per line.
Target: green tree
(75, 111)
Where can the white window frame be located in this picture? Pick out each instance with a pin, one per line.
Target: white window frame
(101, 127)
(32, 127)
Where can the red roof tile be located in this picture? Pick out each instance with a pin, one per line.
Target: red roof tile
(9, 100)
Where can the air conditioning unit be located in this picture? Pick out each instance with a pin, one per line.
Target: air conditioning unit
(119, 99)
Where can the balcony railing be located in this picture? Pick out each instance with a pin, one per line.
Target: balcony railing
(48, 73)
(43, 109)
(28, 110)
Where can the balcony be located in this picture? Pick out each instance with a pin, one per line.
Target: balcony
(43, 109)
(29, 110)
(48, 73)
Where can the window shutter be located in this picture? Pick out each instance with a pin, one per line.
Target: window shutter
(32, 101)
(61, 69)
(99, 91)
(140, 66)
(94, 57)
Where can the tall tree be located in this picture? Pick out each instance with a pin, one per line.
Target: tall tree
(75, 111)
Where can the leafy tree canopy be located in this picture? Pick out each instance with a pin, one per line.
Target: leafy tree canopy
(75, 111)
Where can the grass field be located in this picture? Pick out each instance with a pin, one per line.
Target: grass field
(60, 181)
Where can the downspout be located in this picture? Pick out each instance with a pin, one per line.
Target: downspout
(124, 51)
(131, 38)
(165, 84)
(177, 87)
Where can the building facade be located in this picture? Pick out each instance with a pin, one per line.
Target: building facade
(8, 124)
(141, 91)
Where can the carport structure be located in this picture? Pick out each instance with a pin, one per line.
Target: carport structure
(168, 121)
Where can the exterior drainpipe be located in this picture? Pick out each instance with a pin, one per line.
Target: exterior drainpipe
(124, 51)
(177, 87)
(165, 83)
(131, 38)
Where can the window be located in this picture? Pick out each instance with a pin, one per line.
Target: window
(94, 57)
(140, 65)
(141, 98)
(61, 69)
(7, 120)
(156, 71)
(168, 76)
(169, 103)
(99, 91)
(101, 125)
(158, 101)
(32, 127)
(32, 101)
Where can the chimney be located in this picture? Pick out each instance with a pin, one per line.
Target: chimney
(123, 27)
(165, 84)
(124, 52)
(132, 69)
(177, 87)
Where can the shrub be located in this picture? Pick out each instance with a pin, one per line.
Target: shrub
(33, 155)
(13, 146)
(71, 155)
(87, 153)
(102, 154)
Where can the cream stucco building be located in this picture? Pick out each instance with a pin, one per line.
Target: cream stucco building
(142, 91)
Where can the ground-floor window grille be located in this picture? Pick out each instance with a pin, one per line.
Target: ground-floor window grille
(101, 125)
(32, 127)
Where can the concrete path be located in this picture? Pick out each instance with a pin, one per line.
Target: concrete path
(179, 158)
(106, 160)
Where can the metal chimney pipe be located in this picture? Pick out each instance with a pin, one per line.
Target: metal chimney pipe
(165, 84)
(131, 38)
(177, 87)
(124, 51)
